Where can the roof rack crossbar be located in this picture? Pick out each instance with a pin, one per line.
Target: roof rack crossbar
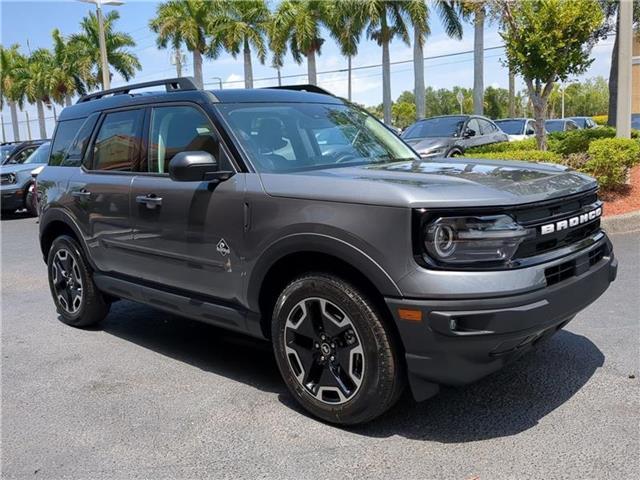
(170, 84)
(304, 88)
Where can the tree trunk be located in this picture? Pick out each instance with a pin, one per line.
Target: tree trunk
(311, 67)
(14, 121)
(512, 94)
(197, 68)
(478, 62)
(613, 79)
(386, 83)
(349, 77)
(248, 68)
(539, 113)
(178, 60)
(279, 76)
(41, 124)
(418, 74)
(67, 100)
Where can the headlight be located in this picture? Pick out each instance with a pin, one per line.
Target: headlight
(464, 240)
(432, 151)
(11, 178)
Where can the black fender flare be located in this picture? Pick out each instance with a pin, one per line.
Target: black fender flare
(323, 244)
(52, 215)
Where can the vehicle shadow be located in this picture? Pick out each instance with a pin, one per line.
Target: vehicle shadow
(17, 215)
(508, 402)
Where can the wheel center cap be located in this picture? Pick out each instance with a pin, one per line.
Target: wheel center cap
(325, 348)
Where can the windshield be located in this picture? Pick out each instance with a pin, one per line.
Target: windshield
(295, 136)
(435, 127)
(581, 121)
(40, 155)
(511, 127)
(5, 151)
(554, 125)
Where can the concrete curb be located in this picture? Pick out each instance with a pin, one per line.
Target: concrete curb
(627, 222)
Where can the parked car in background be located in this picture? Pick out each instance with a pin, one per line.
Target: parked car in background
(451, 135)
(635, 121)
(18, 152)
(517, 128)
(560, 125)
(584, 122)
(17, 183)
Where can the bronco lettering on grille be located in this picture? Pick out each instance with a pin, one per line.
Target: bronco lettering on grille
(571, 222)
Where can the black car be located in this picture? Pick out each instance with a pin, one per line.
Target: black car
(18, 152)
(560, 125)
(584, 122)
(298, 218)
(451, 135)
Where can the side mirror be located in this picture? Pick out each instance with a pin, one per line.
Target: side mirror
(196, 166)
(469, 132)
(530, 131)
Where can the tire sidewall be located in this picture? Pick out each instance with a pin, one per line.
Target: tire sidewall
(362, 317)
(71, 246)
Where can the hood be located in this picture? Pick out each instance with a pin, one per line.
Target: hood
(419, 144)
(433, 183)
(19, 167)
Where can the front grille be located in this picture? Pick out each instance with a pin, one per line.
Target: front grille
(577, 266)
(4, 179)
(535, 217)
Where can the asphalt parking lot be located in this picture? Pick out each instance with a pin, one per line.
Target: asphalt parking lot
(151, 395)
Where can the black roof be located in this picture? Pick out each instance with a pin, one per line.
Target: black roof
(183, 90)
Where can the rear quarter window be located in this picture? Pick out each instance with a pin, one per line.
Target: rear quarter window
(65, 133)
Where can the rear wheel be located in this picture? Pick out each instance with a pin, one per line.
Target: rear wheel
(333, 350)
(77, 299)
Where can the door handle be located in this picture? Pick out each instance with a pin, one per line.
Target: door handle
(81, 193)
(151, 201)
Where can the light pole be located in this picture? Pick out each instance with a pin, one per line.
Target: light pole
(106, 82)
(219, 81)
(625, 40)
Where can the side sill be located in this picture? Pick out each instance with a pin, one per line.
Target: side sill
(204, 311)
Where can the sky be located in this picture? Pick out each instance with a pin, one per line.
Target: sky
(29, 23)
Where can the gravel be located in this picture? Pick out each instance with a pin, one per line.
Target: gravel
(151, 395)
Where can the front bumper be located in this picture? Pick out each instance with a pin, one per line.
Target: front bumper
(460, 341)
(12, 197)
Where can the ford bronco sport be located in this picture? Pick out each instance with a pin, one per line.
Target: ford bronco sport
(291, 215)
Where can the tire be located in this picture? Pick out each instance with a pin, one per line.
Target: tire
(454, 153)
(30, 201)
(357, 352)
(77, 299)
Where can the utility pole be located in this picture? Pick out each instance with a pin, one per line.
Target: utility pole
(625, 39)
(4, 137)
(104, 61)
(219, 81)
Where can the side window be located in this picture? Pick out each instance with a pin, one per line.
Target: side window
(475, 126)
(117, 145)
(179, 129)
(571, 126)
(24, 154)
(485, 127)
(64, 135)
(75, 152)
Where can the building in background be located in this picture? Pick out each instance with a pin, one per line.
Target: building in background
(635, 72)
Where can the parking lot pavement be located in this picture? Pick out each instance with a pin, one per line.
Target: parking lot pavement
(151, 395)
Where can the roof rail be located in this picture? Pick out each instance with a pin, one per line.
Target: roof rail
(304, 88)
(170, 84)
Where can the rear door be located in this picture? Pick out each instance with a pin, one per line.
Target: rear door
(101, 189)
(187, 234)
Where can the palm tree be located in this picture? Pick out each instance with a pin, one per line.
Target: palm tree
(298, 23)
(33, 79)
(71, 72)
(385, 20)
(419, 15)
(477, 9)
(118, 57)
(241, 25)
(346, 26)
(188, 21)
(11, 61)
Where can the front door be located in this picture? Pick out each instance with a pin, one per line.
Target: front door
(187, 234)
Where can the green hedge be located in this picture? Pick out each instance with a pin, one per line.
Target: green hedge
(607, 159)
(610, 159)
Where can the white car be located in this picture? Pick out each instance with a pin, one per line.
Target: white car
(517, 128)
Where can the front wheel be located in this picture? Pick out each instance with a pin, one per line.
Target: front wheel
(77, 299)
(334, 350)
(30, 201)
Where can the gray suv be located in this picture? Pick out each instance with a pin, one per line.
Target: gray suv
(293, 216)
